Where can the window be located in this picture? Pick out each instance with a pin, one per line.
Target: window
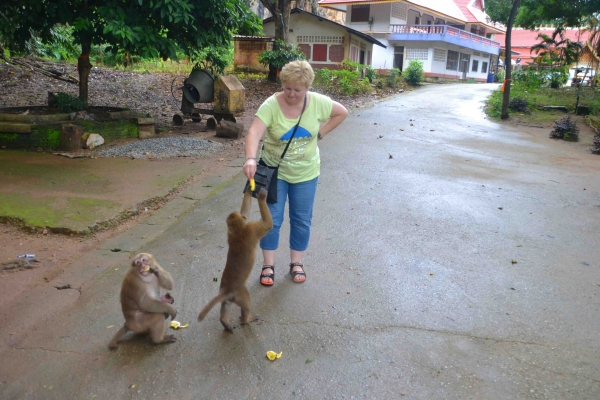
(353, 53)
(360, 13)
(484, 67)
(417, 20)
(439, 55)
(452, 60)
(417, 54)
(475, 66)
(319, 52)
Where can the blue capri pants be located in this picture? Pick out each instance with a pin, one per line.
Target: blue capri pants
(301, 200)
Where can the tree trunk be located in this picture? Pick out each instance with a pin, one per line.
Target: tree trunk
(508, 59)
(84, 66)
(272, 74)
(280, 9)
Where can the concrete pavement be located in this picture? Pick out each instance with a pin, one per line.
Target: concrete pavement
(451, 257)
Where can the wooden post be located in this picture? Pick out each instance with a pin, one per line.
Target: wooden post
(70, 137)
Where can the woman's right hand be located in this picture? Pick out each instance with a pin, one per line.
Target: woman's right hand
(249, 167)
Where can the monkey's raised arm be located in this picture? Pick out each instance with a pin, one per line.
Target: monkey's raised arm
(165, 280)
(266, 223)
(247, 205)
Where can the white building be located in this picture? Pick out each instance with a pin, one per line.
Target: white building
(324, 42)
(452, 38)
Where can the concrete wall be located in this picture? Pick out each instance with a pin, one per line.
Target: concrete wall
(307, 30)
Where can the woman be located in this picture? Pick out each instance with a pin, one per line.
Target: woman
(299, 170)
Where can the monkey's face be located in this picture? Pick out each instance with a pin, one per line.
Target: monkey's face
(142, 262)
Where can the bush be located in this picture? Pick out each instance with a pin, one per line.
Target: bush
(566, 129)
(67, 103)
(519, 105)
(371, 74)
(528, 79)
(500, 75)
(494, 104)
(344, 81)
(284, 53)
(393, 78)
(413, 74)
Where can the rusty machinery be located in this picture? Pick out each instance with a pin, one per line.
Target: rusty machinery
(225, 92)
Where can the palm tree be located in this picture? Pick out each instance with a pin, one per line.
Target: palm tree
(559, 52)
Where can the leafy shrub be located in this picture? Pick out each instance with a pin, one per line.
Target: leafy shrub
(284, 53)
(566, 129)
(60, 47)
(342, 81)
(519, 105)
(413, 74)
(393, 77)
(500, 75)
(323, 78)
(595, 107)
(528, 79)
(67, 103)
(494, 104)
(371, 74)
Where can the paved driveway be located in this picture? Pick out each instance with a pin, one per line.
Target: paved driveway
(451, 257)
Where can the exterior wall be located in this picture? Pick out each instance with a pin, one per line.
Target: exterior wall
(434, 62)
(246, 54)
(307, 31)
(383, 58)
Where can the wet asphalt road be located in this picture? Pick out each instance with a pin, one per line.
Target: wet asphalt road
(451, 257)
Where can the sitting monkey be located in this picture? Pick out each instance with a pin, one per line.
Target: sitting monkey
(242, 237)
(144, 309)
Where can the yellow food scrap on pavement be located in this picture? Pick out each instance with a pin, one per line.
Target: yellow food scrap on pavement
(271, 355)
(177, 325)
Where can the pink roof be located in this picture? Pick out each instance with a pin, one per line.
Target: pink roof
(462, 4)
(527, 38)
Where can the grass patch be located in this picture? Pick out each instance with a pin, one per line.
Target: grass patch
(543, 96)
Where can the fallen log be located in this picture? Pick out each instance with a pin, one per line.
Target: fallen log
(230, 130)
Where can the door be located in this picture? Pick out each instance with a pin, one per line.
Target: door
(398, 57)
(464, 61)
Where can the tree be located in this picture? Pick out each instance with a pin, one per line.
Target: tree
(150, 28)
(531, 14)
(280, 9)
(500, 11)
(561, 51)
(559, 12)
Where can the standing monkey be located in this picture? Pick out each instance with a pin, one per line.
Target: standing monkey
(144, 309)
(242, 237)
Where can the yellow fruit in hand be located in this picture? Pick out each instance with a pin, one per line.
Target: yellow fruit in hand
(252, 185)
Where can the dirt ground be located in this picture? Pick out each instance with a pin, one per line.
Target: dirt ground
(151, 93)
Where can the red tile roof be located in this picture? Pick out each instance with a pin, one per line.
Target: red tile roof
(527, 38)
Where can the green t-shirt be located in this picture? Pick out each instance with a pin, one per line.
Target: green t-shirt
(301, 162)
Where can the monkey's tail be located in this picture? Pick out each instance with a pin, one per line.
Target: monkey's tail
(217, 299)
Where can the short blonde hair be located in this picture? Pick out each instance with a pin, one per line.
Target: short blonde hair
(297, 72)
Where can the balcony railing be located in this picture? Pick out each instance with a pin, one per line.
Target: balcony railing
(443, 30)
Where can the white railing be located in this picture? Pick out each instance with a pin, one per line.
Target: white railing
(443, 30)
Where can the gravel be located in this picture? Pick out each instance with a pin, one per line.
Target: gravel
(163, 148)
